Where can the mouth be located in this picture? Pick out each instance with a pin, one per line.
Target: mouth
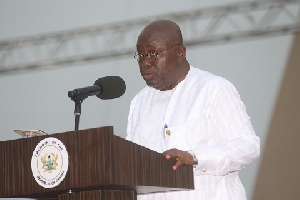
(147, 76)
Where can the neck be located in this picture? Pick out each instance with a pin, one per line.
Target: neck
(181, 78)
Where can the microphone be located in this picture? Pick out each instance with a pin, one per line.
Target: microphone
(109, 87)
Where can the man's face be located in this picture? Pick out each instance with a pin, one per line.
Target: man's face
(160, 71)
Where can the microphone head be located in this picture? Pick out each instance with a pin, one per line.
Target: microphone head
(112, 87)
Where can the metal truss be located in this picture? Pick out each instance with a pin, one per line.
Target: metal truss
(200, 27)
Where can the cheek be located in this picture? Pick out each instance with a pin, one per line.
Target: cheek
(140, 68)
(161, 68)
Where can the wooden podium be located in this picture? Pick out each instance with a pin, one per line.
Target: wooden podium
(102, 166)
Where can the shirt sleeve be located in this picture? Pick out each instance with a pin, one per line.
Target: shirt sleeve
(235, 144)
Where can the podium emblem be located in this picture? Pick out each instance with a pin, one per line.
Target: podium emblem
(49, 162)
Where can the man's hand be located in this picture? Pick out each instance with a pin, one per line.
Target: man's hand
(181, 157)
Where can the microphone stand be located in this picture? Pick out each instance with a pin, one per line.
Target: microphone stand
(77, 112)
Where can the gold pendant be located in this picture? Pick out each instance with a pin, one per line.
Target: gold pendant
(168, 132)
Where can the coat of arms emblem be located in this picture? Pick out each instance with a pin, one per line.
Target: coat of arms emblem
(49, 162)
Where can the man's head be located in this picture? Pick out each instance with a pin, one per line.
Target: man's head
(161, 55)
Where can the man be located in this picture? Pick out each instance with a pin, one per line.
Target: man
(191, 116)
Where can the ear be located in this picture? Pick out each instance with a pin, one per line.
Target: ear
(181, 53)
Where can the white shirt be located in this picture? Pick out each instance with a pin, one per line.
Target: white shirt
(203, 113)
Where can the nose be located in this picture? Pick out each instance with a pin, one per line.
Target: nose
(146, 62)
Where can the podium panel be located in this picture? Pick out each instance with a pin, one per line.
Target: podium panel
(98, 161)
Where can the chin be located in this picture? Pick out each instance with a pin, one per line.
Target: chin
(153, 85)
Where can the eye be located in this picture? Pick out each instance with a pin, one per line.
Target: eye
(152, 54)
(141, 55)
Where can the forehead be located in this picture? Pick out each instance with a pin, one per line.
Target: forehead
(152, 39)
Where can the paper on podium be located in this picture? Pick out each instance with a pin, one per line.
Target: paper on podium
(30, 133)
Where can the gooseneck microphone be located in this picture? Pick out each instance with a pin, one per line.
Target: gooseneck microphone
(109, 87)
(82, 93)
